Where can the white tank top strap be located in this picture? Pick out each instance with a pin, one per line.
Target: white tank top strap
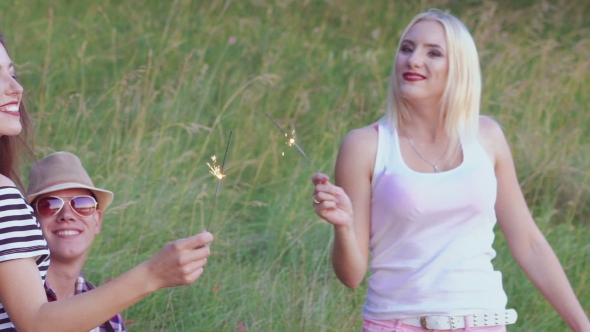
(388, 154)
(383, 153)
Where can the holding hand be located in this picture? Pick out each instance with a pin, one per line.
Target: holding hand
(331, 202)
(180, 262)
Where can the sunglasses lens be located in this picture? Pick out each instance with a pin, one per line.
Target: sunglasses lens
(84, 205)
(49, 206)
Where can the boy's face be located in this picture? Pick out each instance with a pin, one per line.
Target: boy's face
(69, 235)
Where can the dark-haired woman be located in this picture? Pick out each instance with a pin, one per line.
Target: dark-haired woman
(24, 257)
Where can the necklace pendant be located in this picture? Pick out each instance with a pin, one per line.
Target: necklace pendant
(436, 170)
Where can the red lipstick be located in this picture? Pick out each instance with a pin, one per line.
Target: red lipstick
(413, 77)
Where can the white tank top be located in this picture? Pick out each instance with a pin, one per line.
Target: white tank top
(431, 236)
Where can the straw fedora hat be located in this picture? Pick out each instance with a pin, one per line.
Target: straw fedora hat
(63, 170)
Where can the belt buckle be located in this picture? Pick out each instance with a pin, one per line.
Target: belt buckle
(423, 322)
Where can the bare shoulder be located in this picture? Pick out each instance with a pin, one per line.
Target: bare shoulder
(491, 136)
(6, 182)
(489, 128)
(358, 152)
(360, 145)
(362, 138)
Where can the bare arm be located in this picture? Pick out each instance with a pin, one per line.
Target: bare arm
(527, 244)
(23, 296)
(348, 207)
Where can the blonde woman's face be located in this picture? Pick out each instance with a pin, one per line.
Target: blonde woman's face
(422, 63)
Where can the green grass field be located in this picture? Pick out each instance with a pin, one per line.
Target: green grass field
(145, 92)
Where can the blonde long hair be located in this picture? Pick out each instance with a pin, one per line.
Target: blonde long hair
(461, 98)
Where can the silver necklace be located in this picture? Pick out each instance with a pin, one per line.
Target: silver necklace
(435, 166)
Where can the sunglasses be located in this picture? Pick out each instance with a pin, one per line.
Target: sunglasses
(49, 206)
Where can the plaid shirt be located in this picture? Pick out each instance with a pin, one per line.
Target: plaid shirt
(82, 286)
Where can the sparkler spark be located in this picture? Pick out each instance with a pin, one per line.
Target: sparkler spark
(215, 169)
(291, 141)
(218, 172)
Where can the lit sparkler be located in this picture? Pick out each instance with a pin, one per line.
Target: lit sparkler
(216, 170)
(291, 141)
(219, 173)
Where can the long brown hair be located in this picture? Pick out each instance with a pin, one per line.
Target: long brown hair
(13, 148)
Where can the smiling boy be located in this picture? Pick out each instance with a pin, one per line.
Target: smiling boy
(70, 210)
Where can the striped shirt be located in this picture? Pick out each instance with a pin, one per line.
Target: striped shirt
(20, 237)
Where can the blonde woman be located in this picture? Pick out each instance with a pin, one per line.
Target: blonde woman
(421, 191)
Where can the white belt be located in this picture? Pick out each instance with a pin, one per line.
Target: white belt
(490, 318)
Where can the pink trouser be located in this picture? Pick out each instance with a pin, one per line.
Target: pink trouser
(370, 325)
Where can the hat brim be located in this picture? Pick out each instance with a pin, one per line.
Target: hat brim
(104, 197)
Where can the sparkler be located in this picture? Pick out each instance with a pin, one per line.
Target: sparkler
(291, 141)
(219, 173)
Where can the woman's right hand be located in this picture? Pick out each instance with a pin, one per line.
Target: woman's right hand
(180, 262)
(331, 202)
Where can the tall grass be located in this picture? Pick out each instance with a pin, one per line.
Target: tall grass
(145, 92)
